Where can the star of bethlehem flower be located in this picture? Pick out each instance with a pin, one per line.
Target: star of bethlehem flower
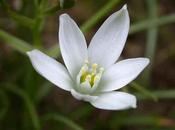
(92, 74)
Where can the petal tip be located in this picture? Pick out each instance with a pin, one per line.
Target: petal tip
(134, 102)
(29, 53)
(124, 7)
(63, 16)
(147, 61)
(134, 105)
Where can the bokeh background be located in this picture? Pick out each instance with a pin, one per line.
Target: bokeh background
(29, 102)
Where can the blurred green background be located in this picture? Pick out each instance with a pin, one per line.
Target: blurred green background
(29, 102)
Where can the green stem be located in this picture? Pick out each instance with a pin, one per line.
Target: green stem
(27, 101)
(82, 112)
(36, 2)
(15, 43)
(22, 20)
(38, 23)
(43, 91)
(147, 120)
(100, 14)
(51, 10)
(37, 32)
(59, 118)
(159, 94)
(151, 42)
(145, 24)
(54, 51)
(144, 91)
(5, 102)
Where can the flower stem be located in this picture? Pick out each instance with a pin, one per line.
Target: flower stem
(144, 91)
(151, 42)
(5, 102)
(21, 19)
(100, 14)
(15, 43)
(29, 104)
(145, 24)
(160, 94)
(59, 118)
(38, 23)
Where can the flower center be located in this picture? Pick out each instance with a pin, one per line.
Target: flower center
(90, 73)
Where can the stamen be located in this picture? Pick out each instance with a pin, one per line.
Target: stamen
(86, 62)
(83, 70)
(90, 73)
(88, 78)
(101, 69)
(94, 66)
(96, 78)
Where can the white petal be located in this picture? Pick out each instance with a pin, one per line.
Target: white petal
(84, 97)
(114, 101)
(107, 44)
(50, 69)
(72, 44)
(121, 73)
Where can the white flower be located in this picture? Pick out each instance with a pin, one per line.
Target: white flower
(92, 74)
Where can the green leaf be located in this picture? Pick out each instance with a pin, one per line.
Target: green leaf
(22, 20)
(143, 120)
(54, 51)
(52, 10)
(29, 104)
(15, 43)
(144, 91)
(160, 94)
(99, 15)
(59, 118)
(44, 91)
(151, 43)
(4, 101)
(145, 24)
